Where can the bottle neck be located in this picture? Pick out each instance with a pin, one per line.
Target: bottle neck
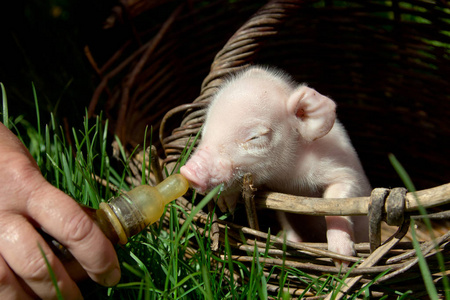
(173, 187)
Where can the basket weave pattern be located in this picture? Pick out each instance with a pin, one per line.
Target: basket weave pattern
(390, 80)
(387, 66)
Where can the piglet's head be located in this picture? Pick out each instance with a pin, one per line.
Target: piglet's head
(258, 122)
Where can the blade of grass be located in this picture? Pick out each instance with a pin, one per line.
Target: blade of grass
(410, 186)
(230, 263)
(150, 158)
(424, 270)
(366, 287)
(5, 107)
(197, 208)
(103, 143)
(38, 120)
(406, 295)
(51, 273)
(121, 148)
(262, 287)
(186, 225)
(283, 275)
(38, 114)
(138, 273)
(48, 149)
(68, 176)
(143, 178)
(342, 280)
(184, 156)
(207, 284)
(252, 280)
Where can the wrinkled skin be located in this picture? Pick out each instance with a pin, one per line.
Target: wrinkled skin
(28, 201)
(287, 136)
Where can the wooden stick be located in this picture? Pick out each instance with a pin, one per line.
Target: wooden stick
(346, 206)
(248, 193)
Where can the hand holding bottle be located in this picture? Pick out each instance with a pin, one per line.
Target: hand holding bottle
(27, 202)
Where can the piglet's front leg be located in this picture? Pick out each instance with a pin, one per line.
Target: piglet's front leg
(340, 235)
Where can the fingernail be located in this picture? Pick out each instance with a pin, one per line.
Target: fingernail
(112, 278)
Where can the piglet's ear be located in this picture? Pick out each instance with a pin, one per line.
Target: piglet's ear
(316, 113)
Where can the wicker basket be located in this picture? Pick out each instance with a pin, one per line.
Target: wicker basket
(385, 63)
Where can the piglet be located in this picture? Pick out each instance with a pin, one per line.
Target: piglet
(286, 134)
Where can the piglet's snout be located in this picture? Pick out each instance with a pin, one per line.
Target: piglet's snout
(205, 171)
(195, 175)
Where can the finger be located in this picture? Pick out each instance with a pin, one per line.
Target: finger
(10, 287)
(64, 219)
(19, 247)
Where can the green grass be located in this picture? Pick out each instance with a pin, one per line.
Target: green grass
(425, 271)
(158, 263)
(52, 274)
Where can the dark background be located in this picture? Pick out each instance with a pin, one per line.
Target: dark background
(42, 42)
(387, 90)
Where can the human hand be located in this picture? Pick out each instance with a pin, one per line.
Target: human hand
(27, 202)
